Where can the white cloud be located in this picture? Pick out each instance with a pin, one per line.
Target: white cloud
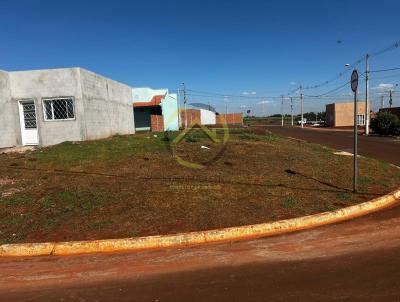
(383, 87)
(264, 102)
(293, 83)
(249, 93)
(243, 106)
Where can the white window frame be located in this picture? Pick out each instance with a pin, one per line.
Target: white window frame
(54, 99)
(362, 117)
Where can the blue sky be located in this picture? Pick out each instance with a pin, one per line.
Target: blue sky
(232, 47)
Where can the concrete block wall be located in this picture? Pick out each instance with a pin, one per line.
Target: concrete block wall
(9, 116)
(39, 84)
(107, 105)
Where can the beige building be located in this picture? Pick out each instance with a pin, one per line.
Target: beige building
(342, 114)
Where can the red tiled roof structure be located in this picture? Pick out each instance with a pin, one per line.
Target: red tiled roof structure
(155, 101)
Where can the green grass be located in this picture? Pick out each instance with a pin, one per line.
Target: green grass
(75, 202)
(366, 180)
(289, 202)
(15, 200)
(107, 150)
(343, 196)
(258, 137)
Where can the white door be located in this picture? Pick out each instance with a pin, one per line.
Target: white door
(29, 132)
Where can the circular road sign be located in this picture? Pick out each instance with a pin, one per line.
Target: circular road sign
(354, 80)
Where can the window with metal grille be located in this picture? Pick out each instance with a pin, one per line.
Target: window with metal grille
(58, 109)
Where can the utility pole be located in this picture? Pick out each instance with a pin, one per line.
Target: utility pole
(366, 94)
(301, 98)
(179, 109)
(382, 102)
(282, 110)
(355, 164)
(354, 88)
(390, 98)
(291, 108)
(184, 103)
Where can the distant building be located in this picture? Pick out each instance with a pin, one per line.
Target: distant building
(155, 110)
(209, 117)
(342, 114)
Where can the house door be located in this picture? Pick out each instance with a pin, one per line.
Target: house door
(29, 132)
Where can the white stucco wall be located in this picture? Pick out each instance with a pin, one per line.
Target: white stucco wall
(170, 112)
(207, 117)
(145, 94)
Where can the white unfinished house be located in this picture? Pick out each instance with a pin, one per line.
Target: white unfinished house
(47, 107)
(155, 109)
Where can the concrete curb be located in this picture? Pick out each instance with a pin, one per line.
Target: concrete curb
(202, 237)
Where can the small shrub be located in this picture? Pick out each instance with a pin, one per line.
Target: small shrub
(386, 123)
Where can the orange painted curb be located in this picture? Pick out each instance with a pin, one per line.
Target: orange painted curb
(202, 237)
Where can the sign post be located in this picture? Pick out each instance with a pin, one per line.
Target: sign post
(354, 87)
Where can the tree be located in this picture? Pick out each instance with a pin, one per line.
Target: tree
(386, 123)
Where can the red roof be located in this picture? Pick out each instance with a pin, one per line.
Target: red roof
(155, 101)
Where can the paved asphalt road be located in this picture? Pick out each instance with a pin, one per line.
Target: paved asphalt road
(358, 260)
(383, 148)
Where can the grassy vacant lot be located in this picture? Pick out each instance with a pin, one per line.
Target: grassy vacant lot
(132, 185)
(271, 120)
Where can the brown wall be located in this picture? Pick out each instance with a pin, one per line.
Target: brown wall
(157, 123)
(342, 114)
(230, 119)
(193, 116)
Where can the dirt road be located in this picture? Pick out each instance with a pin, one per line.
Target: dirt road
(383, 148)
(352, 261)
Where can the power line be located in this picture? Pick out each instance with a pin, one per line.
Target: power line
(386, 49)
(384, 70)
(352, 66)
(254, 97)
(349, 68)
(330, 91)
